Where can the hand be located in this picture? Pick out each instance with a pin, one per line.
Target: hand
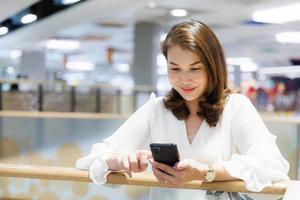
(133, 162)
(183, 172)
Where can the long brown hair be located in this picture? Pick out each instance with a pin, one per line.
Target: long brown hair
(200, 39)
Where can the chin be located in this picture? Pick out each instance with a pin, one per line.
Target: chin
(188, 98)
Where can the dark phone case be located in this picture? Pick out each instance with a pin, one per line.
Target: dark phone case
(166, 153)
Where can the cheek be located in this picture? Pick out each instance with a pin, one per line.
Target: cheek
(171, 78)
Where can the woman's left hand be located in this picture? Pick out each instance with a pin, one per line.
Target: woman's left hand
(182, 172)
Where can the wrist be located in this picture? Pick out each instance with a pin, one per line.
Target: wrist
(210, 174)
(201, 172)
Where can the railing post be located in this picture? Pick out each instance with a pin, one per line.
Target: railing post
(98, 100)
(40, 97)
(119, 100)
(73, 98)
(1, 101)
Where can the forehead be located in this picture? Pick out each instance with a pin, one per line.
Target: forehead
(179, 54)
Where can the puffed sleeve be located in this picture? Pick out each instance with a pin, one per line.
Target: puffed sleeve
(132, 135)
(259, 161)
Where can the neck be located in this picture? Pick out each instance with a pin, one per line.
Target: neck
(193, 106)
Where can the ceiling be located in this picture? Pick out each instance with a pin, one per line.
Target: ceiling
(84, 22)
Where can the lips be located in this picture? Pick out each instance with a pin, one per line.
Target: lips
(188, 89)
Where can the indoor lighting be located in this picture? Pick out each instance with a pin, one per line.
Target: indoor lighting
(248, 67)
(29, 18)
(3, 30)
(151, 4)
(10, 70)
(178, 12)
(246, 64)
(278, 15)
(163, 37)
(14, 54)
(80, 66)
(288, 37)
(122, 67)
(63, 44)
(74, 76)
(162, 64)
(238, 61)
(295, 69)
(66, 2)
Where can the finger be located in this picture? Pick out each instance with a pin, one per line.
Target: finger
(157, 175)
(126, 166)
(143, 162)
(144, 152)
(164, 167)
(133, 162)
(163, 177)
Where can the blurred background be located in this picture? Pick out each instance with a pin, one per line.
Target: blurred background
(71, 71)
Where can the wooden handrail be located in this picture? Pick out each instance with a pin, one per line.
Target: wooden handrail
(84, 115)
(71, 174)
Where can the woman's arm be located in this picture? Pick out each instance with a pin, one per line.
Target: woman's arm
(114, 152)
(259, 161)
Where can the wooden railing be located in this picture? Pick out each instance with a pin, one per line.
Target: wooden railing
(70, 174)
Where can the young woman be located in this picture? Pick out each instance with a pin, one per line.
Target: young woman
(219, 135)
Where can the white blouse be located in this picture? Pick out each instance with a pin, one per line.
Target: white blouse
(240, 142)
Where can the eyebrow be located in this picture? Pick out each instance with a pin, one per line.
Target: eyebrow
(194, 63)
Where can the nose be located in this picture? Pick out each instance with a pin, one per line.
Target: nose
(185, 78)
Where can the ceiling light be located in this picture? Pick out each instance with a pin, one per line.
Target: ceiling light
(3, 30)
(278, 15)
(80, 66)
(63, 44)
(15, 54)
(151, 4)
(248, 67)
(178, 12)
(66, 2)
(122, 67)
(288, 37)
(29, 18)
(10, 70)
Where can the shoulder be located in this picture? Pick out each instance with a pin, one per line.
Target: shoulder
(237, 99)
(155, 102)
(235, 102)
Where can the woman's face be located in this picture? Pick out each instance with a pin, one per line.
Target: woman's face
(186, 73)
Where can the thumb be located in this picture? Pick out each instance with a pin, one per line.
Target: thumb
(182, 165)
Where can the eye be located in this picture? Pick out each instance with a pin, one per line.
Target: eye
(195, 68)
(174, 69)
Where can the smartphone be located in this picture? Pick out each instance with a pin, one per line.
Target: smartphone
(166, 153)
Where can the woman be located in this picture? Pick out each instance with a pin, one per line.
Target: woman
(219, 135)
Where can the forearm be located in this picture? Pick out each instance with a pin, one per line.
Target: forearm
(113, 162)
(222, 174)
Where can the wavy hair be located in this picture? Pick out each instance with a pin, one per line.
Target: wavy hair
(199, 38)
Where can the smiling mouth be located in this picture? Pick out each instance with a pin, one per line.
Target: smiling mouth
(188, 89)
